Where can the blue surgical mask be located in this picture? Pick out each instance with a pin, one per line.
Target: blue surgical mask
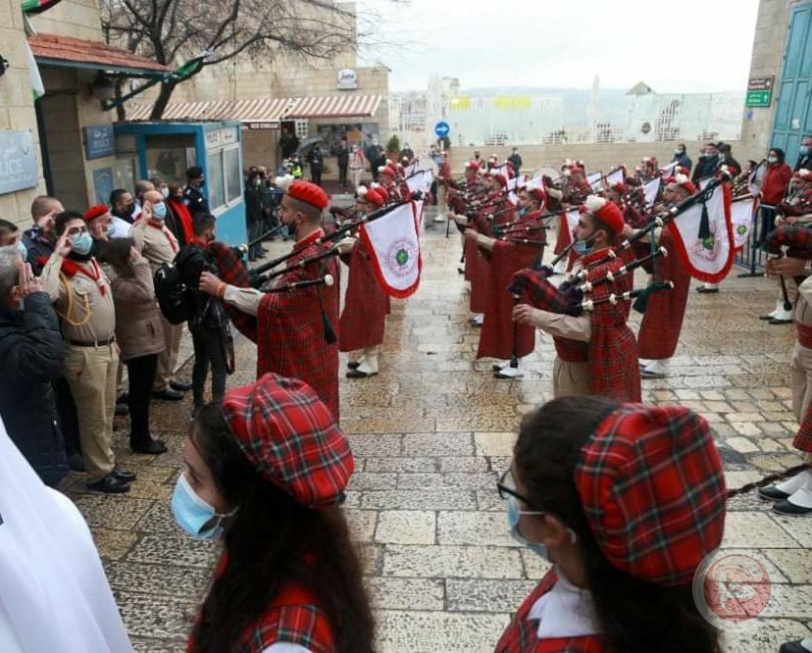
(194, 515)
(23, 250)
(581, 247)
(159, 210)
(81, 243)
(514, 514)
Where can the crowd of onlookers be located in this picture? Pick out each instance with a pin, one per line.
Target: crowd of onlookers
(79, 308)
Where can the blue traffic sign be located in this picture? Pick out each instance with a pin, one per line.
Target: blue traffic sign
(442, 129)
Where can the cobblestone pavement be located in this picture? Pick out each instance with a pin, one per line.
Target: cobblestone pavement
(431, 433)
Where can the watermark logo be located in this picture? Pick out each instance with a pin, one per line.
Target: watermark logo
(732, 588)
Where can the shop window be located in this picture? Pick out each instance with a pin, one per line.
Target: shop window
(166, 156)
(214, 179)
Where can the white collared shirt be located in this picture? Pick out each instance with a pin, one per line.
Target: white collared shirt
(565, 611)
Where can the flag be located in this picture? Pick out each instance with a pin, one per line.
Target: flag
(417, 209)
(568, 220)
(667, 170)
(652, 190)
(742, 214)
(34, 78)
(420, 181)
(394, 248)
(756, 179)
(703, 235)
(616, 177)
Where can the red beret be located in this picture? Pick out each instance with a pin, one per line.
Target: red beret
(605, 211)
(290, 438)
(309, 193)
(376, 196)
(621, 188)
(388, 169)
(653, 491)
(95, 212)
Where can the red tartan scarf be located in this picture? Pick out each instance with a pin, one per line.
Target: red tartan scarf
(71, 268)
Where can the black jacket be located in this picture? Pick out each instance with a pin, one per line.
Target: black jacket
(31, 357)
(39, 248)
(315, 158)
(343, 157)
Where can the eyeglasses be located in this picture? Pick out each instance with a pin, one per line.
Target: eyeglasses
(506, 491)
(75, 231)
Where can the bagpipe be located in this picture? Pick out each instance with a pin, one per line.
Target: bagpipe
(792, 240)
(259, 275)
(326, 280)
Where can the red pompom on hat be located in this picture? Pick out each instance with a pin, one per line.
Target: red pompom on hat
(290, 438)
(684, 182)
(604, 211)
(95, 212)
(309, 193)
(621, 188)
(652, 488)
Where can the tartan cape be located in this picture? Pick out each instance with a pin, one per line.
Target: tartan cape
(521, 635)
(231, 269)
(365, 304)
(291, 332)
(293, 617)
(614, 369)
(496, 339)
(662, 322)
(478, 273)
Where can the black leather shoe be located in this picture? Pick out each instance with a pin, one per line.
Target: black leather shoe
(772, 493)
(707, 291)
(180, 386)
(787, 508)
(793, 647)
(122, 398)
(122, 410)
(168, 395)
(150, 447)
(122, 474)
(774, 321)
(766, 318)
(353, 365)
(109, 485)
(76, 463)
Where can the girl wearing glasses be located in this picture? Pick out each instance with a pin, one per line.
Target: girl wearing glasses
(626, 501)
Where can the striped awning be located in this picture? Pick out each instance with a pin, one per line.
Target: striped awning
(336, 106)
(257, 110)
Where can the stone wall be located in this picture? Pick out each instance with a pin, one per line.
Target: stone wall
(16, 105)
(75, 18)
(596, 156)
(768, 51)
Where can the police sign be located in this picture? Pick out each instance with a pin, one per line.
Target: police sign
(442, 129)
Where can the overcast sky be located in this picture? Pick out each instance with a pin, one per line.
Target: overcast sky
(688, 46)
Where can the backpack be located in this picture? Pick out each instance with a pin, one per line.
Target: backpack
(173, 295)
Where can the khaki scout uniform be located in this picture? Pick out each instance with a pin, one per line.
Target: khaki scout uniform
(88, 318)
(158, 245)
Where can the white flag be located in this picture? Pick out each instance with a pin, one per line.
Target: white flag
(616, 177)
(706, 256)
(741, 216)
(417, 209)
(667, 170)
(34, 78)
(652, 189)
(395, 250)
(420, 181)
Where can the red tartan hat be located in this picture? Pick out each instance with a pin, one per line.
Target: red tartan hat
(291, 438)
(605, 211)
(309, 193)
(653, 491)
(95, 212)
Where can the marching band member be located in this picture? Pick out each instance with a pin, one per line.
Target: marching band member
(662, 322)
(295, 334)
(519, 245)
(597, 352)
(363, 319)
(388, 174)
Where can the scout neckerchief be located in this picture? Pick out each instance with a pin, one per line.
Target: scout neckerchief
(71, 268)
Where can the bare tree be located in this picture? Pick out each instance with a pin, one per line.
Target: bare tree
(173, 31)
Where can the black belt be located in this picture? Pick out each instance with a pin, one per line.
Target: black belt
(93, 343)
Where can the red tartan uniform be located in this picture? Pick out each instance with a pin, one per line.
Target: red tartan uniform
(393, 193)
(662, 321)
(521, 635)
(365, 304)
(293, 617)
(507, 258)
(291, 331)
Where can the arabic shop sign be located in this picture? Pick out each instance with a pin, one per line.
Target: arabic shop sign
(18, 161)
(99, 141)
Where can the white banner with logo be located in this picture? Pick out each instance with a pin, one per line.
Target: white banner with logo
(704, 235)
(394, 246)
(741, 215)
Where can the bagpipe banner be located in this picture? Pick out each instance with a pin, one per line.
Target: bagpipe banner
(595, 180)
(741, 217)
(394, 248)
(704, 235)
(668, 170)
(615, 177)
(417, 207)
(567, 222)
(652, 188)
(420, 181)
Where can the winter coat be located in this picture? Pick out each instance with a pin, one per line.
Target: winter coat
(138, 321)
(31, 358)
